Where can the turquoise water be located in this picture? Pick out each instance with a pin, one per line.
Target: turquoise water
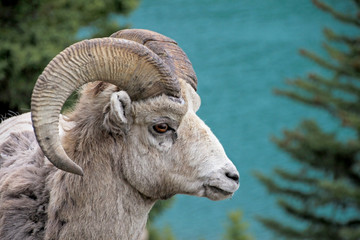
(241, 51)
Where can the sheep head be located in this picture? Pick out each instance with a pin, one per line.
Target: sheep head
(152, 107)
(169, 149)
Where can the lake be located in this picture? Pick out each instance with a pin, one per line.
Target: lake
(241, 51)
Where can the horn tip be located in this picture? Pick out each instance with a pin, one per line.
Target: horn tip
(75, 170)
(79, 172)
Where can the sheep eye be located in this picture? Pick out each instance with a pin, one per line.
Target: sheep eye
(161, 127)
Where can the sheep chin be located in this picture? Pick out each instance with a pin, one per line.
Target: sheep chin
(216, 193)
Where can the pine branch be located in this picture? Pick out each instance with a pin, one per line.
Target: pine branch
(308, 216)
(313, 190)
(350, 119)
(323, 94)
(349, 62)
(299, 177)
(323, 227)
(331, 36)
(317, 59)
(311, 101)
(274, 187)
(341, 191)
(345, 86)
(350, 233)
(280, 229)
(324, 63)
(309, 145)
(357, 2)
(349, 230)
(339, 56)
(338, 15)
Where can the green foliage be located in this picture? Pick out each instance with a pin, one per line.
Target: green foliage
(33, 32)
(157, 210)
(323, 195)
(236, 229)
(160, 207)
(162, 234)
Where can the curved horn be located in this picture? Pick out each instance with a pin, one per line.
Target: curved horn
(127, 64)
(166, 48)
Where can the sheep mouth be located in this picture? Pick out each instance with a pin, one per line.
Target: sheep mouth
(216, 193)
(219, 190)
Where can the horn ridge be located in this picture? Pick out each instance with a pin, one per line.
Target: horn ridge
(127, 64)
(166, 48)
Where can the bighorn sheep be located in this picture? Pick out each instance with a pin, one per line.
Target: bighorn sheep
(132, 138)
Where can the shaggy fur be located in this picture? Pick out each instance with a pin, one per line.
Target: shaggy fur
(127, 167)
(24, 197)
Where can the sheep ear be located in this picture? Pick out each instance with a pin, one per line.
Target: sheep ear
(117, 113)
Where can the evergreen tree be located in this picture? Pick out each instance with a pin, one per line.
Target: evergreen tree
(323, 195)
(33, 32)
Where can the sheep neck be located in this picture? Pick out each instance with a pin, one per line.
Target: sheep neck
(99, 205)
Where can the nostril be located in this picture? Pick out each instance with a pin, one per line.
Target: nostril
(233, 176)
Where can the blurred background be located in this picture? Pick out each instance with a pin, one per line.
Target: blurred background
(242, 51)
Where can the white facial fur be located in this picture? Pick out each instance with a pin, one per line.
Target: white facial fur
(186, 159)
